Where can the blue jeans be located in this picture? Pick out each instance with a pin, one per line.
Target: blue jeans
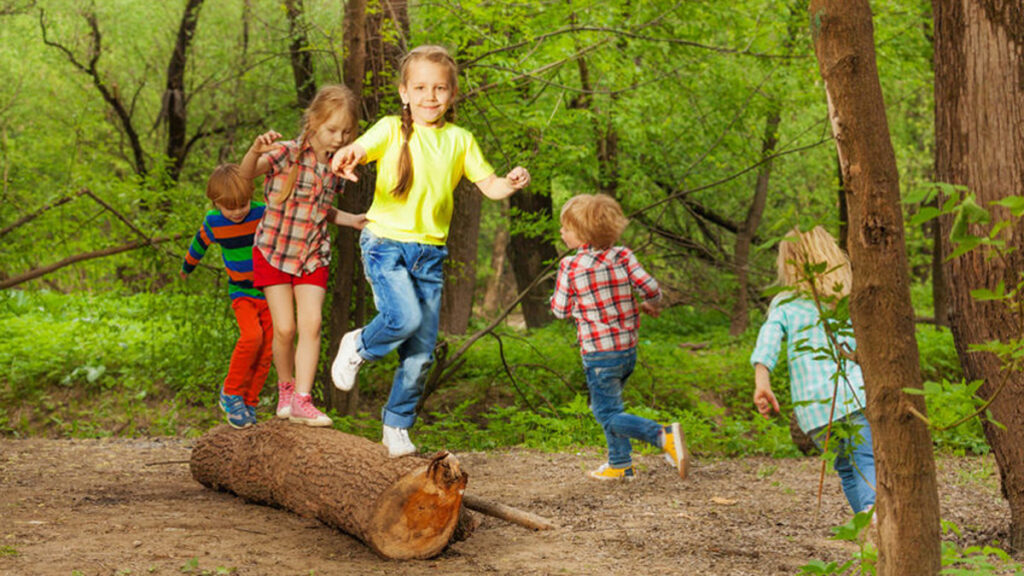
(406, 278)
(607, 373)
(855, 462)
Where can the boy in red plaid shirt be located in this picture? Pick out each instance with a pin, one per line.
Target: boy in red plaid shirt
(595, 287)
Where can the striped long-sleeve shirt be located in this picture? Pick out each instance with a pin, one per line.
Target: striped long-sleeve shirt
(595, 287)
(235, 240)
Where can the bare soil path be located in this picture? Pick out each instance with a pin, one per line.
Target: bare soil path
(120, 507)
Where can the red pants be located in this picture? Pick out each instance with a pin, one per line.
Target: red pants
(250, 362)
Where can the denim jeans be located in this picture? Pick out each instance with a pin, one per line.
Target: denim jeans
(406, 278)
(855, 463)
(607, 373)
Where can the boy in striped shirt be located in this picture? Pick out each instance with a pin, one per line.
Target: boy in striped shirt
(595, 287)
(231, 224)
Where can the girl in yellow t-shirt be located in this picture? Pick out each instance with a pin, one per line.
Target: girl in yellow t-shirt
(420, 159)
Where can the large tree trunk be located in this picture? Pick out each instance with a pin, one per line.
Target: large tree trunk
(400, 507)
(741, 255)
(979, 121)
(460, 268)
(530, 253)
(883, 319)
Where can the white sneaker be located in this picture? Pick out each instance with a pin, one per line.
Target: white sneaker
(346, 364)
(397, 442)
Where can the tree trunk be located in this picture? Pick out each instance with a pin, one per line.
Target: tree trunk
(174, 101)
(741, 254)
(494, 297)
(402, 508)
(298, 52)
(883, 319)
(529, 255)
(460, 268)
(979, 117)
(366, 56)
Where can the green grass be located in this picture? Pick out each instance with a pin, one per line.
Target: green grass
(89, 365)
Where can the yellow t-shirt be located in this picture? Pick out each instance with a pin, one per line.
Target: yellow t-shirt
(440, 157)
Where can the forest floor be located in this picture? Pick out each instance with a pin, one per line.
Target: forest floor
(120, 507)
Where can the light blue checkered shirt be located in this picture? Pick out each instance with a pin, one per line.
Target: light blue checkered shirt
(811, 372)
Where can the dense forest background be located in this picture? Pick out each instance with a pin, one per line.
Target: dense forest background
(708, 122)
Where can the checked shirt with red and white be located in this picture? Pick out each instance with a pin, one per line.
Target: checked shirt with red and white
(595, 287)
(293, 235)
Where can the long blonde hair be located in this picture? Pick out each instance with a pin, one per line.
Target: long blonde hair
(437, 55)
(814, 248)
(328, 100)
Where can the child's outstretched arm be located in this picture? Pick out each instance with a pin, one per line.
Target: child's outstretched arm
(342, 218)
(497, 188)
(254, 164)
(764, 398)
(346, 159)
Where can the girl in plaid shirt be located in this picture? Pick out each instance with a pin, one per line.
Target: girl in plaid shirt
(822, 394)
(292, 248)
(595, 287)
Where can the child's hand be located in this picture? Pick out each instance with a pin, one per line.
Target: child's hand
(518, 178)
(650, 308)
(764, 400)
(357, 221)
(264, 142)
(345, 161)
(182, 275)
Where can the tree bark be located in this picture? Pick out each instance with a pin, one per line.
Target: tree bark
(175, 104)
(402, 508)
(460, 268)
(741, 254)
(883, 319)
(298, 53)
(979, 119)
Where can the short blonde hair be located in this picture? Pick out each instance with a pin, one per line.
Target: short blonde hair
(597, 219)
(227, 189)
(814, 248)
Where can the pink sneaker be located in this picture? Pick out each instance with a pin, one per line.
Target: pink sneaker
(303, 412)
(285, 391)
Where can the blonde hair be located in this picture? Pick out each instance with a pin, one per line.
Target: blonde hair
(429, 53)
(227, 189)
(816, 247)
(328, 100)
(597, 219)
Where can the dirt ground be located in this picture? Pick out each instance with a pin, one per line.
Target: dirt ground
(119, 507)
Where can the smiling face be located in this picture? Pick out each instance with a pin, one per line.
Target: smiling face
(429, 90)
(335, 132)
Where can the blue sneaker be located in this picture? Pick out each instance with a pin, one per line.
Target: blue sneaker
(251, 411)
(234, 407)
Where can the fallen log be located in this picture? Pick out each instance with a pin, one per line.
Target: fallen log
(401, 508)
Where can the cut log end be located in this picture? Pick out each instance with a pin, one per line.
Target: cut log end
(416, 516)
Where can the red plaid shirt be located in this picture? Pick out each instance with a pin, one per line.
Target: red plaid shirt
(595, 287)
(293, 235)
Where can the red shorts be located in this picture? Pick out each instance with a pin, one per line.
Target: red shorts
(263, 274)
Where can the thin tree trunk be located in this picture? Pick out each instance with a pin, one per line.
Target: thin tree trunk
(494, 297)
(883, 319)
(979, 119)
(298, 52)
(529, 255)
(460, 268)
(175, 104)
(741, 254)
